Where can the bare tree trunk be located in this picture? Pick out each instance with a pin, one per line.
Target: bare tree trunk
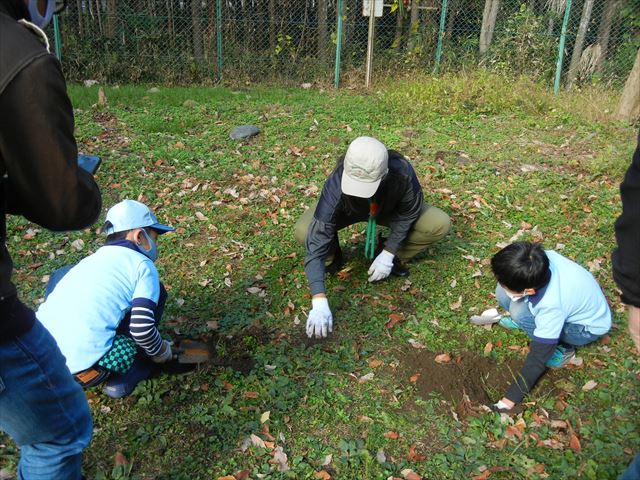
(272, 25)
(629, 108)
(454, 9)
(604, 32)
(80, 13)
(99, 16)
(171, 26)
(323, 34)
(489, 16)
(196, 26)
(110, 22)
(579, 44)
(397, 39)
(414, 24)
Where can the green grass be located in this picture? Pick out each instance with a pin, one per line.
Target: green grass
(468, 138)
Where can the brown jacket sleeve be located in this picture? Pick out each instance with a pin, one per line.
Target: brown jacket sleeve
(43, 182)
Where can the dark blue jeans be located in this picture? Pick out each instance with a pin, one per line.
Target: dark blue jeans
(42, 408)
(572, 334)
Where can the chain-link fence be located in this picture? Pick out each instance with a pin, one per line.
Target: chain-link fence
(294, 41)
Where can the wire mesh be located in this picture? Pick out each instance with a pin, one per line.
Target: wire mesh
(294, 41)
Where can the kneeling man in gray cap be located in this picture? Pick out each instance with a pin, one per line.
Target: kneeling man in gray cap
(369, 184)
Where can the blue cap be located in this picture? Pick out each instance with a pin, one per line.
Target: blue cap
(130, 214)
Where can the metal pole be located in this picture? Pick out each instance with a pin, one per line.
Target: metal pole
(372, 24)
(443, 18)
(563, 35)
(338, 43)
(57, 41)
(219, 38)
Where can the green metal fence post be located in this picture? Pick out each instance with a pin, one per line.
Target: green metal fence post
(57, 41)
(443, 18)
(338, 43)
(563, 35)
(219, 38)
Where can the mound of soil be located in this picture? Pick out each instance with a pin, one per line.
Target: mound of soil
(481, 378)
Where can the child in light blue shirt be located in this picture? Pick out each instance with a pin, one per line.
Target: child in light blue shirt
(105, 310)
(555, 301)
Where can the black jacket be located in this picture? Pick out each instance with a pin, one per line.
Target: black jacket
(40, 179)
(400, 201)
(626, 258)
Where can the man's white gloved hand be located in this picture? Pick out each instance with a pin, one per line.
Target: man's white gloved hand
(320, 321)
(381, 266)
(165, 354)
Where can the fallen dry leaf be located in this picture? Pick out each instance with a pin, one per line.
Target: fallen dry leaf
(393, 319)
(416, 344)
(227, 477)
(409, 474)
(391, 435)
(443, 358)
(414, 378)
(488, 347)
(415, 456)
(323, 475)
(590, 385)
(119, 459)
(373, 363)
(574, 443)
(457, 304)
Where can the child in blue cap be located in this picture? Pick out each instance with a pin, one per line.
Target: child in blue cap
(104, 311)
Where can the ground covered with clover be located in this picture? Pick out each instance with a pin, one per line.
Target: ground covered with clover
(400, 388)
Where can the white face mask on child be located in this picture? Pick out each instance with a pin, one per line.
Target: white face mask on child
(515, 296)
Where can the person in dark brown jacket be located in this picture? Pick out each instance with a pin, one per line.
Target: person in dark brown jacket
(41, 406)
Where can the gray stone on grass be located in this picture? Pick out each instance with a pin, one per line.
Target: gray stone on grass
(244, 131)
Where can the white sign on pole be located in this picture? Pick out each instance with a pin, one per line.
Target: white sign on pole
(366, 7)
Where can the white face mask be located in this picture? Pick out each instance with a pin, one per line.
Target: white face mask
(515, 296)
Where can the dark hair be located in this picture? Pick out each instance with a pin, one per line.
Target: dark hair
(521, 265)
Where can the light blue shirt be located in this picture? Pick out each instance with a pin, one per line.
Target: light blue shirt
(573, 296)
(87, 305)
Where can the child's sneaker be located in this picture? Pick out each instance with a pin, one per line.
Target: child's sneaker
(561, 356)
(508, 323)
(120, 385)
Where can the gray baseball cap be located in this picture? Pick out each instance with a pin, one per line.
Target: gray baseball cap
(130, 214)
(365, 163)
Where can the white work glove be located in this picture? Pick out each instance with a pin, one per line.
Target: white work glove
(165, 354)
(381, 266)
(320, 321)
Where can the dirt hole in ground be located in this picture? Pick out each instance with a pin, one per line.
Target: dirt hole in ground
(481, 378)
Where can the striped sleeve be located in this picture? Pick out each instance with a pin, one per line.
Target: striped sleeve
(143, 326)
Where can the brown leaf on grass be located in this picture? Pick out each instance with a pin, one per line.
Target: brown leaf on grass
(391, 435)
(512, 431)
(227, 477)
(344, 274)
(251, 394)
(414, 378)
(488, 347)
(483, 476)
(443, 358)
(574, 443)
(393, 319)
(590, 385)
(415, 456)
(323, 475)
(374, 363)
(409, 474)
(559, 424)
(243, 475)
(497, 444)
(119, 459)
(457, 304)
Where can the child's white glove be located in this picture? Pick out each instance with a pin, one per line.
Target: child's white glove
(165, 354)
(320, 321)
(381, 266)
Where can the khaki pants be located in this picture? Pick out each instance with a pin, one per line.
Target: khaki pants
(431, 226)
